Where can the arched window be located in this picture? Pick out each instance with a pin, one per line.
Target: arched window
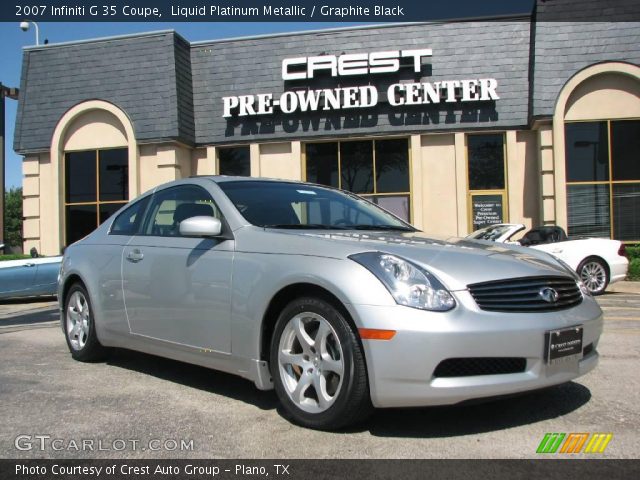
(602, 159)
(95, 150)
(96, 186)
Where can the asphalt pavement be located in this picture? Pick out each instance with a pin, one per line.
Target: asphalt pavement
(140, 406)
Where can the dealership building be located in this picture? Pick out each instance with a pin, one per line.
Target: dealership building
(451, 125)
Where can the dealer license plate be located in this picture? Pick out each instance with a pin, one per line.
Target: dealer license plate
(563, 345)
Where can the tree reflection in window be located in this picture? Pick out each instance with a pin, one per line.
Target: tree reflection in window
(486, 161)
(351, 164)
(234, 161)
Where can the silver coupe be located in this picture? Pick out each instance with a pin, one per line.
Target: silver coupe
(334, 302)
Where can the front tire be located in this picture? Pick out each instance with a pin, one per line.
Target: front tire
(318, 366)
(79, 326)
(594, 275)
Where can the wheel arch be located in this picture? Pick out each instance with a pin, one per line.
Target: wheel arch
(597, 257)
(68, 283)
(283, 297)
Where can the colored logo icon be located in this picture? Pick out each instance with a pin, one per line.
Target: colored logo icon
(574, 443)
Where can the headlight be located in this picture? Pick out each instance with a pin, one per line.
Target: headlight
(409, 284)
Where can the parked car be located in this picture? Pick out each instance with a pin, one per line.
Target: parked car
(598, 261)
(322, 295)
(29, 277)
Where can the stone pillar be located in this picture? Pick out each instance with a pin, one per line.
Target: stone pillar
(547, 175)
(31, 203)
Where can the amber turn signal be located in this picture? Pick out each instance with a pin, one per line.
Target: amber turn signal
(376, 334)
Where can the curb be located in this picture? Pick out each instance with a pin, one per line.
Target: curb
(625, 287)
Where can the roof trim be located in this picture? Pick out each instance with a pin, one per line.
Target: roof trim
(518, 16)
(154, 33)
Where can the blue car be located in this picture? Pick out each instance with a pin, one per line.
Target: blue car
(29, 277)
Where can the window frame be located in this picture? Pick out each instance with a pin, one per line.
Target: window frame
(97, 201)
(367, 196)
(610, 182)
(504, 192)
(143, 215)
(228, 147)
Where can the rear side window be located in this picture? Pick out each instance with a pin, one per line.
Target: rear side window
(128, 222)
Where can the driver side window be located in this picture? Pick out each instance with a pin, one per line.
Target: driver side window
(172, 206)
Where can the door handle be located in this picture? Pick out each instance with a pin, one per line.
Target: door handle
(29, 265)
(135, 256)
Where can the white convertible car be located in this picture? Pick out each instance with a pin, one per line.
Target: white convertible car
(598, 261)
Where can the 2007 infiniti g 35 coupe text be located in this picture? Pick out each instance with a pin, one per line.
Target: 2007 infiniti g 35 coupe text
(332, 301)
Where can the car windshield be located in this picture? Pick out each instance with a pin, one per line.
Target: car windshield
(304, 206)
(490, 233)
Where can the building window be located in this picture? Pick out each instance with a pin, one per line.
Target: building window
(234, 161)
(375, 169)
(486, 179)
(96, 186)
(603, 179)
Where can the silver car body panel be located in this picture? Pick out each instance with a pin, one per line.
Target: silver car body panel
(204, 302)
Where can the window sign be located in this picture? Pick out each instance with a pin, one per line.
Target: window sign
(487, 209)
(486, 173)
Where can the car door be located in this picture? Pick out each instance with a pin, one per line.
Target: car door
(177, 288)
(106, 258)
(46, 279)
(16, 277)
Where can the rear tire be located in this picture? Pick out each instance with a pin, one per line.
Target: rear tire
(318, 366)
(78, 323)
(594, 274)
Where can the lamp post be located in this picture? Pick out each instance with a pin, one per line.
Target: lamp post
(24, 25)
(12, 93)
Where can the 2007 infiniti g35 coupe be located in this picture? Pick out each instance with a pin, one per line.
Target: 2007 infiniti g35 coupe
(332, 301)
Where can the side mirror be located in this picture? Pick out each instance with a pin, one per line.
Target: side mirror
(200, 227)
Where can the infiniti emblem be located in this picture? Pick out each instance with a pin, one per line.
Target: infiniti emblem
(548, 294)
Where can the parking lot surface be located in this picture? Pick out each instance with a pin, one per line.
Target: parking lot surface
(140, 406)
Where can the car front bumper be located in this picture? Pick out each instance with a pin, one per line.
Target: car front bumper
(401, 370)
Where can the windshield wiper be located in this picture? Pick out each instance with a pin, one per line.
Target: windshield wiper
(305, 226)
(399, 228)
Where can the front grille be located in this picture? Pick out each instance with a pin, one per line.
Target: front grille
(469, 367)
(524, 294)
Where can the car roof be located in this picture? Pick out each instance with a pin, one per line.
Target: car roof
(229, 178)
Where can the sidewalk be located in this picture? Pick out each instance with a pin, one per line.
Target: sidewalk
(625, 287)
(13, 308)
(21, 314)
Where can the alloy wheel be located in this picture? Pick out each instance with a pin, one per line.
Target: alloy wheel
(78, 320)
(311, 362)
(594, 276)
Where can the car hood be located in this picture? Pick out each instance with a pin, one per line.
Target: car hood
(457, 262)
